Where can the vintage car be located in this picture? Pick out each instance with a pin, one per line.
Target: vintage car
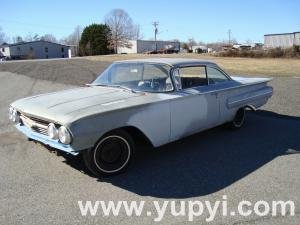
(161, 100)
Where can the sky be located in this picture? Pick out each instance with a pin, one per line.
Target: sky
(206, 21)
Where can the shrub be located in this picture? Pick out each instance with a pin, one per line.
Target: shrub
(293, 52)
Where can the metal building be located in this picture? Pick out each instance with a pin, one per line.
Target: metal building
(284, 40)
(35, 50)
(144, 46)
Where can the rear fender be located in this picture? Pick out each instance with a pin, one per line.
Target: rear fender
(252, 99)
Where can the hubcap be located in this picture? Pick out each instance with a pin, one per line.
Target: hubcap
(112, 154)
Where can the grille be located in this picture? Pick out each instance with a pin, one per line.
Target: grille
(40, 130)
(35, 124)
(39, 121)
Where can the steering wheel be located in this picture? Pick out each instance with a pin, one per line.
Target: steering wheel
(155, 84)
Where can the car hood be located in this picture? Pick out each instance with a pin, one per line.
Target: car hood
(64, 106)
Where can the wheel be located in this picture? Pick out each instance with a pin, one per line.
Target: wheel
(111, 155)
(239, 119)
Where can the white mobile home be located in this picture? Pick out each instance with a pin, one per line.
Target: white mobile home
(35, 50)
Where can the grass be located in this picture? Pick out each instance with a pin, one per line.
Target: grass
(235, 66)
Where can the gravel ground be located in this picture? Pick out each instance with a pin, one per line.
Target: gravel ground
(258, 162)
(67, 71)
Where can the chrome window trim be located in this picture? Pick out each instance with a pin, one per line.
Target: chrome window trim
(189, 65)
(214, 66)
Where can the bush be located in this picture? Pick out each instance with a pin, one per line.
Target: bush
(275, 53)
(293, 52)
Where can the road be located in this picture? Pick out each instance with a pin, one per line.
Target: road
(258, 162)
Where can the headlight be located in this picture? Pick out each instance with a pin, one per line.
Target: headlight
(52, 131)
(15, 116)
(64, 135)
(10, 112)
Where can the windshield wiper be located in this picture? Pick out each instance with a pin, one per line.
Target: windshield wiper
(113, 85)
(124, 88)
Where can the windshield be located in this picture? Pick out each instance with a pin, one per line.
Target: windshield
(137, 76)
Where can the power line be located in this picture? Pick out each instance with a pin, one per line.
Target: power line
(35, 25)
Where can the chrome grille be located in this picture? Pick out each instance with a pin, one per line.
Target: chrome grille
(35, 124)
(39, 121)
(40, 130)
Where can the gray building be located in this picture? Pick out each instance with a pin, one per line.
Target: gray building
(283, 40)
(35, 50)
(143, 46)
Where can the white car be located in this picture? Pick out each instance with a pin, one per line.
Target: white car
(161, 100)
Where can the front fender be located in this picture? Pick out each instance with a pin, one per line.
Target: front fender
(153, 120)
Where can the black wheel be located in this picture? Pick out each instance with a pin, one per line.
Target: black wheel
(111, 155)
(239, 119)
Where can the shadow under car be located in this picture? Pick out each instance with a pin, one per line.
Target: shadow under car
(206, 162)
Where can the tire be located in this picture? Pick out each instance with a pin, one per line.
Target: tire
(239, 119)
(112, 154)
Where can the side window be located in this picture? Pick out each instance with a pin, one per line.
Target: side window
(192, 76)
(215, 76)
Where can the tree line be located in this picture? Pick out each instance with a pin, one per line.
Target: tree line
(104, 38)
(96, 39)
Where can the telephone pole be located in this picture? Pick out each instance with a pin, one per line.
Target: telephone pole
(229, 36)
(155, 24)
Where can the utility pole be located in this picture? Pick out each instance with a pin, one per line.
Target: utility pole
(155, 24)
(229, 34)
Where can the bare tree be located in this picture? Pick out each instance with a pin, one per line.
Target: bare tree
(136, 32)
(32, 37)
(73, 39)
(3, 37)
(201, 43)
(191, 42)
(121, 27)
(185, 46)
(17, 39)
(49, 37)
(248, 41)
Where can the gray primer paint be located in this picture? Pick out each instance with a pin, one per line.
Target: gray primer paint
(90, 112)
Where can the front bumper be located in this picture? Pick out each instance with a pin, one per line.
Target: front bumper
(45, 140)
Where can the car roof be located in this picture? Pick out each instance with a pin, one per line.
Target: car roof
(176, 62)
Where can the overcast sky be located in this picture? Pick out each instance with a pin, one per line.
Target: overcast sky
(206, 21)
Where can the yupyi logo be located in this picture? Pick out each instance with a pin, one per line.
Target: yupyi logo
(189, 209)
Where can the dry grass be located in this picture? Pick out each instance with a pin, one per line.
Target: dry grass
(234, 66)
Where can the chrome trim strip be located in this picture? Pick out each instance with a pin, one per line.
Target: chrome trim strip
(31, 123)
(266, 94)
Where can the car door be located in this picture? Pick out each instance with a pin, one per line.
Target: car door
(195, 108)
(222, 85)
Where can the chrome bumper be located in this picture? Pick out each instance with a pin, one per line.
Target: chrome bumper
(45, 139)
